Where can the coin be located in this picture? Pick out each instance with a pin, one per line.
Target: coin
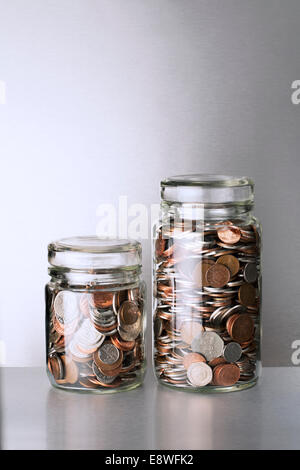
(129, 335)
(189, 329)
(128, 314)
(231, 262)
(226, 375)
(217, 275)
(217, 361)
(70, 369)
(123, 345)
(191, 358)
(102, 299)
(247, 295)
(209, 344)
(56, 367)
(229, 234)
(108, 354)
(250, 272)
(199, 374)
(101, 377)
(158, 326)
(232, 352)
(240, 327)
(66, 306)
(159, 246)
(87, 383)
(199, 273)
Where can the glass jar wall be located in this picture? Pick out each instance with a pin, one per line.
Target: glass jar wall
(207, 284)
(95, 316)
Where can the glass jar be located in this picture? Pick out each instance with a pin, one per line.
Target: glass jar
(207, 284)
(95, 318)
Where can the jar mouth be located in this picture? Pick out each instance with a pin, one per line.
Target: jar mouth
(95, 254)
(208, 189)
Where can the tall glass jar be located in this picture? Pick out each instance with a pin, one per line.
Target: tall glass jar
(95, 318)
(207, 284)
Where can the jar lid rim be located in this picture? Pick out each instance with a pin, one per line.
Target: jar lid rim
(92, 253)
(207, 179)
(208, 189)
(94, 244)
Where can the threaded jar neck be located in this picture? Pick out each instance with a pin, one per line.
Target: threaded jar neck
(90, 261)
(207, 196)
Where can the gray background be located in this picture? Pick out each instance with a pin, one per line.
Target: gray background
(107, 97)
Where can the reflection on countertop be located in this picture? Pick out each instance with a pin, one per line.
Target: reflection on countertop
(36, 416)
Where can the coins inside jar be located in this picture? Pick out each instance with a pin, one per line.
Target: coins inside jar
(207, 303)
(86, 349)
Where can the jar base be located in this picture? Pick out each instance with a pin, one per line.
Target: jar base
(77, 388)
(211, 389)
(98, 391)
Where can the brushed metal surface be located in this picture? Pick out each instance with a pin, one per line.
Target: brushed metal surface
(36, 416)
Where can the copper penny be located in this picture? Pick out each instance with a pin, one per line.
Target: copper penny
(105, 329)
(110, 372)
(229, 234)
(49, 365)
(56, 367)
(129, 313)
(103, 299)
(199, 273)
(191, 358)
(240, 327)
(247, 295)
(123, 345)
(116, 383)
(85, 382)
(71, 370)
(160, 246)
(217, 275)
(231, 262)
(226, 375)
(217, 361)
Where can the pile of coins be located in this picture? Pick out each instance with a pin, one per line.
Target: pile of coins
(95, 338)
(206, 303)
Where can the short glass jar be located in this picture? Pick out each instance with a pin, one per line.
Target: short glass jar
(95, 319)
(207, 284)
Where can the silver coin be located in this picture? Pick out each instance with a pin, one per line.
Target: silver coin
(66, 306)
(232, 352)
(199, 374)
(133, 329)
(87, 336)
(209, 344)
(128, 336)
(108, 353)
(250, 272)
(216, 316)
(101, 377)
(110, 333)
